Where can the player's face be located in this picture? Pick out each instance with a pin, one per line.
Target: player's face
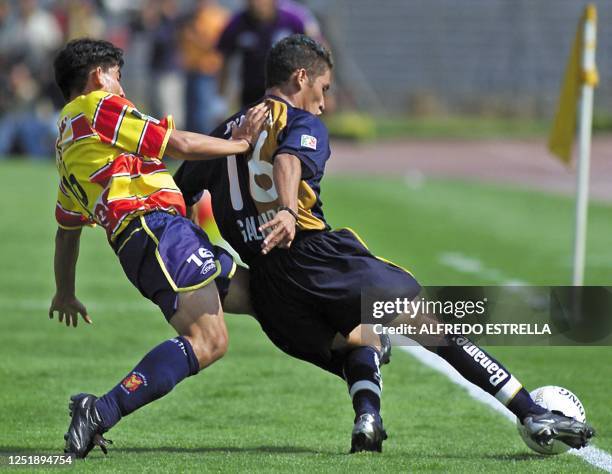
(314, 93)
(111, 80)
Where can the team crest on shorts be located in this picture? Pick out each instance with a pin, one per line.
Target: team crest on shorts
(133, 382)
(308, 141)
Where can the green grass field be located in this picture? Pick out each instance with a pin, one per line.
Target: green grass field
(258, 410)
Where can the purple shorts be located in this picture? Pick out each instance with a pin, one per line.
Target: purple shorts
(163, 254)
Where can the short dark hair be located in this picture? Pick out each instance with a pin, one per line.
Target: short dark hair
(293, 53)
(75, 60)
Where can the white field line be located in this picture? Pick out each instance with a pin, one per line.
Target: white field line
(472, 266)
(594, 456)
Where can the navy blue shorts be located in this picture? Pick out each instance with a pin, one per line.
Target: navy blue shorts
(307, 294)
(163, 254)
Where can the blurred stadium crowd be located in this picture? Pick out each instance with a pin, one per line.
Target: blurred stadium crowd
(200, 59)
(195, 51)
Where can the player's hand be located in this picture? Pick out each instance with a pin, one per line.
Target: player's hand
(282, 233)
(68, 309)
(253, 123)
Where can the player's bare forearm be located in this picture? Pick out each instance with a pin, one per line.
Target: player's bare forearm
(287, 173)
(193, 146)
(190, 146)
(65, 302)
(66, 255)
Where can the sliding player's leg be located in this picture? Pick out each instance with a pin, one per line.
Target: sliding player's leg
(473, 363)
(483, 370)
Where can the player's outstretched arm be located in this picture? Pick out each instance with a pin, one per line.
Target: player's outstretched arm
(190, 146)
(287, 173)
(65, 302)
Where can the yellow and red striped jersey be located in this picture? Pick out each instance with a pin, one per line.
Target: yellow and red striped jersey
(108, 157)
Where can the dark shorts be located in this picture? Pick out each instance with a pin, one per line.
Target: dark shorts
(163, 254)
(304, 296)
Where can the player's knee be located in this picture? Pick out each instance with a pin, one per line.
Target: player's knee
(363, 335)
(218, 345)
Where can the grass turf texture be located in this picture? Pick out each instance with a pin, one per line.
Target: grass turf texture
(258, 410)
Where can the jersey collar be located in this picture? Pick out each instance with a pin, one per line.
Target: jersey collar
(275, 97)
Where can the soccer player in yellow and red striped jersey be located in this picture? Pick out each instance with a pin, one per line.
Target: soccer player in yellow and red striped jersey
(109, 159)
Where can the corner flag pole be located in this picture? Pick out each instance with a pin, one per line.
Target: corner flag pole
(589, 81)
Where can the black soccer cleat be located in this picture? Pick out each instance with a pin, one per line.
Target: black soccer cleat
(368, 434)
(549, 426)
(385, 349)
(85, 430)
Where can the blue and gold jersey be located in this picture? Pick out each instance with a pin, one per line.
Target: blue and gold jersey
(243, 193)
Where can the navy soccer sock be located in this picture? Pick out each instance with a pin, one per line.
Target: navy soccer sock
(154, 376)
(483, 370)
(362, 374)
(522, 405)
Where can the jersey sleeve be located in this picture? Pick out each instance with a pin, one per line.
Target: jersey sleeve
(306, 138)
(118, 123)
(67, 213)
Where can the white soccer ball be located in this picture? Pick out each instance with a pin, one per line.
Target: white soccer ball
(555, 399)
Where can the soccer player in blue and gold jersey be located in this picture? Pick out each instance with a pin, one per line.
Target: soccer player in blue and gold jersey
(109, 159)
(306, 280)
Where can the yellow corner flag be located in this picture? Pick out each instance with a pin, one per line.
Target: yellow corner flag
(581, 70)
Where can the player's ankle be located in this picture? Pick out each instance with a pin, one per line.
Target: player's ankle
(522, 405)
